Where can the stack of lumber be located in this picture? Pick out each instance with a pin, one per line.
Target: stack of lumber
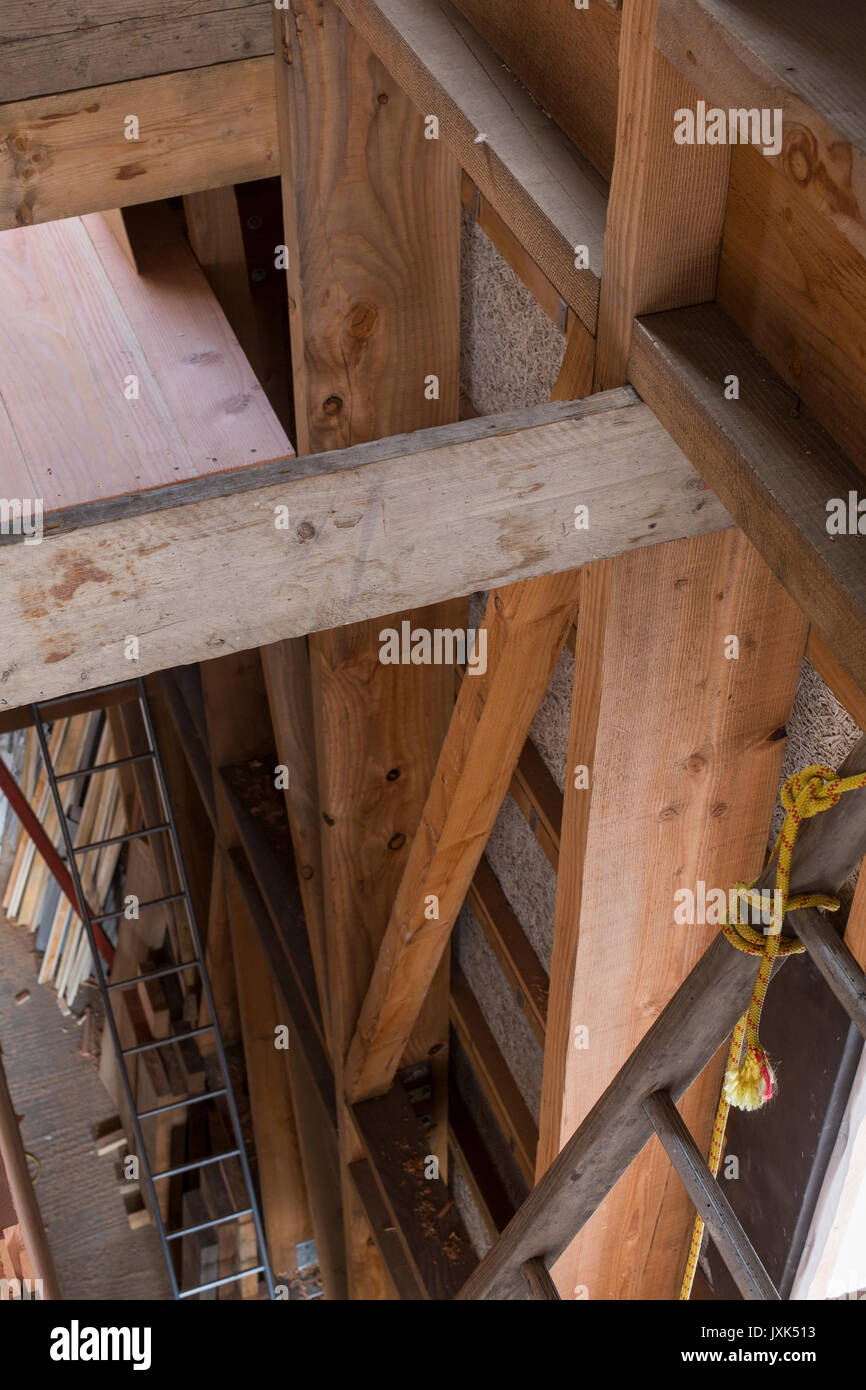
(33, 898)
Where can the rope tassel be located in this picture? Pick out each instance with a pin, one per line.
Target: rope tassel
(749, 1077)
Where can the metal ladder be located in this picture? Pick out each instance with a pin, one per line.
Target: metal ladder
(41, 712)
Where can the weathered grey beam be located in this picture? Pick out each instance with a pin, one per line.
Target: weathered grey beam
(201, 568)
(734, 1246)
(766, 457)
(835, 962)
(42, 52)
(683, 1039)
(538, 1280)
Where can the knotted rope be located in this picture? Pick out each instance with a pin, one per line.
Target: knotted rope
(750, 1080)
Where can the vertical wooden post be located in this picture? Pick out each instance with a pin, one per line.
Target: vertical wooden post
(372, 218)
(676, 739)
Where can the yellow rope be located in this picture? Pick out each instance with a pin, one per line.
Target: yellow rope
(749, 1080)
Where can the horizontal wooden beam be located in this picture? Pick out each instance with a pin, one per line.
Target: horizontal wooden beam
(523, 164)
(53, 53)
(207, 566)
(675, 1050)
(768, 460)
(64, 155)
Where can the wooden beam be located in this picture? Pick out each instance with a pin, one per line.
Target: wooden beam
(435, 1241)
(678, 787)
(374, 313)
(775, 470)
(494, 1076)
(752, 1280)
(511, 946)
(534, 179)
(357, 517)
(237, 720)
(795, 286)
(760, 57)
(213, 226)
(836, 678)
(524, 630)
(678, 1046)
(56, 54)
(667, 201)
(566, 57)
(287, 677)
(488, 1192)
(64, 155)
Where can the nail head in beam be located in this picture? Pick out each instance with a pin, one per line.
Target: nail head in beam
(734, 1246)
(835, 962)
(538, 1279)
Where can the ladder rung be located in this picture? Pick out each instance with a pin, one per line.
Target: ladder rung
(729, 1238)
(121, 839)
(102, 767)
(154, 902)
(217, 1283)
(206, 1225)
(154, 974)
(179, 1104)
(190, 1167)
(163, 1042)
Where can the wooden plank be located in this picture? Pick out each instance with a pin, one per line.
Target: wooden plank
(524, 630)
(494, 1205)
(834, 675)
(568, 60)
(737, 1251)
(374, 312)
(64, 709)
(430, 1228)
(69, 609)
(806, 64)
(118, 48)
(667, 201)
(64, 155)
(681, 783)
(796, 287)
(380, 1221)
(214, 228)
(538, 1280)
(493, 1073)
(236, 709)
(836, 964)
(775, 471)
(80, 319)
(287, 676)
(511, 946)
(535, 180)
(539, 798)
(684, 1038)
